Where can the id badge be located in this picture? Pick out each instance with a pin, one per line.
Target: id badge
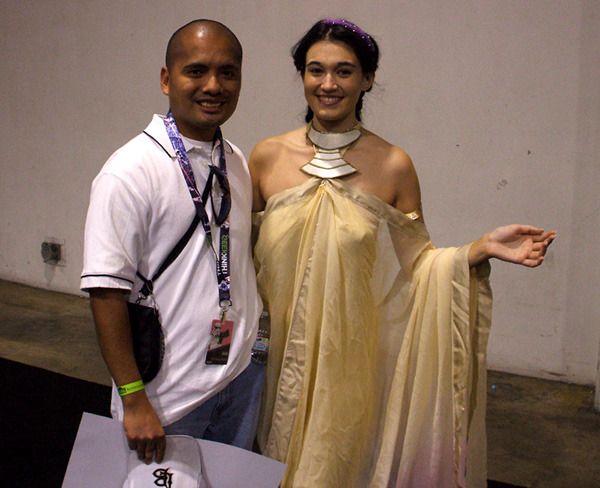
(221, 333)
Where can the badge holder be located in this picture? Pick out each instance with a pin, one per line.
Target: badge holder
(221, 335)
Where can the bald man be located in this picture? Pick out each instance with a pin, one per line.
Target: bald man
(180, 176)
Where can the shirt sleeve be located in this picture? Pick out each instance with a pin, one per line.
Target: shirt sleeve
(115, 230)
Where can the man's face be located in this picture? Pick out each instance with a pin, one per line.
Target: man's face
(203, 83)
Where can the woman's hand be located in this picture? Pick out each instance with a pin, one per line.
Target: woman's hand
(519, 244)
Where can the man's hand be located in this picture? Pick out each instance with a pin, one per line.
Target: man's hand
(142, 427)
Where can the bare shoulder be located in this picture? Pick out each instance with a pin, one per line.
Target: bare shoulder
(266, 152)
(397, 176)
(269, 174)
(394, 160)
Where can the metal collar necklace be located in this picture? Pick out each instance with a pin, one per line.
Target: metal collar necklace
(328, 161)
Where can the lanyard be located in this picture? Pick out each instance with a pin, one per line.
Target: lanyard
(221, 217)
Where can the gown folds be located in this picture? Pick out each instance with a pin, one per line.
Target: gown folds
(376, 373)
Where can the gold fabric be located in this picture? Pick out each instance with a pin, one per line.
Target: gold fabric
(376, 372)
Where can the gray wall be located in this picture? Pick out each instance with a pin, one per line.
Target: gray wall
(498, 102)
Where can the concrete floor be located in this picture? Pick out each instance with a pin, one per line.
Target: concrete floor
(540, 433)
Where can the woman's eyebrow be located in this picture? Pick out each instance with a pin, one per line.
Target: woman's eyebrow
(341, 63)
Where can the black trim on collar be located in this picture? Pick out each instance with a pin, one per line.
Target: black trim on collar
(161, 146)
(229, 149)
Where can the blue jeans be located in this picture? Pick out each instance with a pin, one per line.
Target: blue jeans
(230, 416)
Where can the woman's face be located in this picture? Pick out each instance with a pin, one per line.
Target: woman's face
(333, 82)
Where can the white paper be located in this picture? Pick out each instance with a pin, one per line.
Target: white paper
(100, 453)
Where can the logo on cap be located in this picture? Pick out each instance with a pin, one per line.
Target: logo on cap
(163, 477)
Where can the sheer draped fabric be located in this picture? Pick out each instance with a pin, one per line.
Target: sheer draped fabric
(376, 372)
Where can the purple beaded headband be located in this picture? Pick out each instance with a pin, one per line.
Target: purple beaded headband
(354, 28)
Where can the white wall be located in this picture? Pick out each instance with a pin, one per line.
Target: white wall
(498, 103)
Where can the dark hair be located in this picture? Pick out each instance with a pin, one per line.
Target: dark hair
(363, 45)
(173, 43)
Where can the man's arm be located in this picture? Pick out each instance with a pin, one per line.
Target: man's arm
(142, 427)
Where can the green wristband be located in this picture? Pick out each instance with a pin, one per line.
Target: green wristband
(130, 388)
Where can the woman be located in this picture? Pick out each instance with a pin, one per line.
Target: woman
(376, 373)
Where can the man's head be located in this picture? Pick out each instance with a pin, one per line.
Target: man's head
(202, 77)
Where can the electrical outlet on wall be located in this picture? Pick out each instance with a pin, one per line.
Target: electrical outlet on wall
(53, 251)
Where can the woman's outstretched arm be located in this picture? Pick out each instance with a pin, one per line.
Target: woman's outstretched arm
(519, 244)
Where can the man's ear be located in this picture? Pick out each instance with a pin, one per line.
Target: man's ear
(164, 80)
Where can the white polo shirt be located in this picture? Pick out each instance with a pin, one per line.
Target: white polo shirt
(140, 207)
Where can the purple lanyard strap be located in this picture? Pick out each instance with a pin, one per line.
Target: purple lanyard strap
(221, 217)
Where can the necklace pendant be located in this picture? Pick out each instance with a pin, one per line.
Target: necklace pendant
(328, 161)
(328, 164)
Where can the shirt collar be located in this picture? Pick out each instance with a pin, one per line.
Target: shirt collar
(202, 147)
(156, 130)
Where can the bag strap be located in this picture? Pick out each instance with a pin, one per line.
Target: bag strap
(147, 289)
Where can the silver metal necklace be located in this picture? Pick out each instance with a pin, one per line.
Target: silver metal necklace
(328, 161)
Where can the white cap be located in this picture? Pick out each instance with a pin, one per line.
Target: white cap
(180, 468)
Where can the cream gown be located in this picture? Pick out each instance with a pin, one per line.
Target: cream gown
(376, 372)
